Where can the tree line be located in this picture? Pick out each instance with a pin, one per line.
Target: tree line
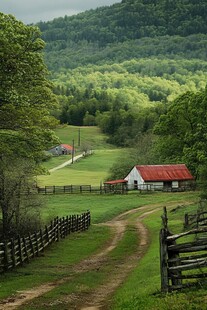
(119, 96)
(127, 30)
(130, 19)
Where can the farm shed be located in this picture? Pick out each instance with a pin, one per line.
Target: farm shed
(115, 186)
(159, 177)
(62, 149)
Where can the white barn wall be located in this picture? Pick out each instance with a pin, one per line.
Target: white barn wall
(134, 176)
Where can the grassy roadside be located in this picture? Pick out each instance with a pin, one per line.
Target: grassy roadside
(105, 207)
(142, 289)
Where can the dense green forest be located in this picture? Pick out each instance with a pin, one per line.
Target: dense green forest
(126, 30)
(119, 67)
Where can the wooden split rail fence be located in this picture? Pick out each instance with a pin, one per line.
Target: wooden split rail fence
(76, 189)
(68, 189)
(196, 220)
(15, 252)
(182, 263)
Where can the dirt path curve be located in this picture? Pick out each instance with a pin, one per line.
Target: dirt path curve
(97, 299)
(66, 163)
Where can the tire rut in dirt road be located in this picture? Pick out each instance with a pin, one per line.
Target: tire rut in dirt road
(93, 262)
(100, 298)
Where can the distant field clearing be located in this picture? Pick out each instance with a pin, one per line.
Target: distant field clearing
(91, 170)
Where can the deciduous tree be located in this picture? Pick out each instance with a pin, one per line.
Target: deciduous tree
(183, 131)
(26, 99)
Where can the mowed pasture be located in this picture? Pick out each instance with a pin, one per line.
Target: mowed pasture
(90, 135)
(91, 170)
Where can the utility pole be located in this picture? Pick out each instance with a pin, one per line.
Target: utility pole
(73, 151)
(79, 137)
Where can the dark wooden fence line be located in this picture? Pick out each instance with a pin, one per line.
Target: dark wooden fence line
(78, 189)
(67, 189)
(182, 264)
(103, 189)
(15, 252)
(195, 220)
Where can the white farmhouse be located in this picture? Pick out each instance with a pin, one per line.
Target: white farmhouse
(159, 177)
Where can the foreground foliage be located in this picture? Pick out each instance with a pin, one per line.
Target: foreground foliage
(25, 122)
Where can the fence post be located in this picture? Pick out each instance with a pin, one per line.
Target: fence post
(57, 228)
(13, 253)
(47, 234)
(20, 250)
(84, 222)
(41, 239)
(186, 223)
(25, 249)
(31, 245)
(69, 224)
(37, 245)
(89, 219)
(164, 218)
(6, 255)
(76, 222)
(163, 260)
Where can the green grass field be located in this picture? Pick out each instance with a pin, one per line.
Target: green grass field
(92, 170)
(90, 135)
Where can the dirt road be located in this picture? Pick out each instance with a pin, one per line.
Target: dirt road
(67, 163)
(97, 299)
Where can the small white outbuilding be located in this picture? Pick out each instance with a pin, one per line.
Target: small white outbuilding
(61, 149)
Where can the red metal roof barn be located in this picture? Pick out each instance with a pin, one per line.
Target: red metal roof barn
(159, 176)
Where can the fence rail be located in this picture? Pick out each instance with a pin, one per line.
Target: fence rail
(15, 252)
(195, 220)
(75, 189)
(182, 263)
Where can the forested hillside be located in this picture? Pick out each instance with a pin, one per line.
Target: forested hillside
(132, 28)
(120, 66)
